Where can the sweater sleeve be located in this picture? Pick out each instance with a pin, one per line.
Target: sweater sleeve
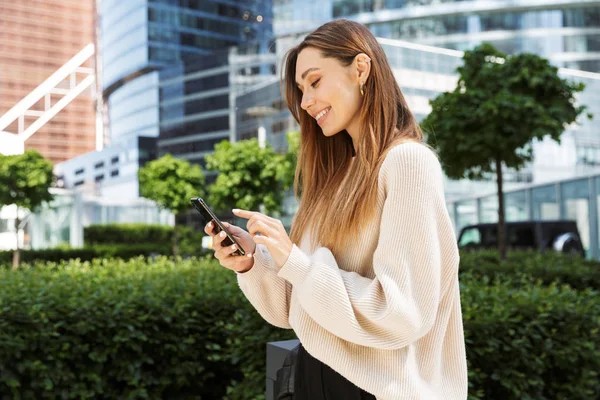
(267, 292)
(399, 305)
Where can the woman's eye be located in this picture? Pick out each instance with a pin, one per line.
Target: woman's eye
(314, 84)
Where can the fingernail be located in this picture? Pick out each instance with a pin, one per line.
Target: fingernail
(235, 210)
(249, 255)
(233, 247)
(209, 225)
(222, 234)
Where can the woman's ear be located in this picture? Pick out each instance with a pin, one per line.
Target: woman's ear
(362, 64)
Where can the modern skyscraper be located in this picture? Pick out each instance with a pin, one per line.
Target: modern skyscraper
(165, 77)
(564, 31)
(36, 39)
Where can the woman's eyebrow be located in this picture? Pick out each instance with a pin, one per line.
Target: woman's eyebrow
(306, 73)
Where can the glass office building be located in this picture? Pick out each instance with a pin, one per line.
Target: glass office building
(574, 199)
(567, 32)
(198, 98)
(142, 35)
(160, 71)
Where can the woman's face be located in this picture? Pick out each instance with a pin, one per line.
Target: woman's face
(330, 91)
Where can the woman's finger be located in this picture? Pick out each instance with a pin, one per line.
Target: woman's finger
(267, 222)
(208, 228)
(217, 239)
(224, 252)
(267, 241)
(262, 228)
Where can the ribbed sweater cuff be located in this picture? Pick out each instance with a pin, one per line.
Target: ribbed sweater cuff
(296, 268)
(256, 273)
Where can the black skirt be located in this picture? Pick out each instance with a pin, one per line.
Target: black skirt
(317, 381)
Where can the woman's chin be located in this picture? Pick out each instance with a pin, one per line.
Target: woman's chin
(328, 132)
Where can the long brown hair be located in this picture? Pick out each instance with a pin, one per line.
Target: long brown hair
(334, 207)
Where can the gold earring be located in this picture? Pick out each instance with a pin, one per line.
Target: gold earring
(362, 87)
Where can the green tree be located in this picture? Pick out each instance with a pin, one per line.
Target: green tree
(24, 182)
(499, 107)
(171, 183)
(249, 176)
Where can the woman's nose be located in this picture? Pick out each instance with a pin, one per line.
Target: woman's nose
(307, 101)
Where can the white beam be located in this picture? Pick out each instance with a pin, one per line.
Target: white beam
(56, 78)
(55, 109)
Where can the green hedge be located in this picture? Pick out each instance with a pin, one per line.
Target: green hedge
(121, 241)
(182, 329)
(87, 253)
(127, 233)
(549, 267)
(190, 241)
(128, 329)
(529, 341)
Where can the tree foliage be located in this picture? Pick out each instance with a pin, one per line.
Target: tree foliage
(171, 183)
(249, 176)
(500, 106)
(25, 180)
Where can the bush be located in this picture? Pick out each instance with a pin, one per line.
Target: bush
(535, 342)
(86, 253)
(182, 329)
(127, 233)
(128, 329)
(190, 241)
(549, 267)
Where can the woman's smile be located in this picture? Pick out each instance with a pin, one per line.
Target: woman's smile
(322, 116)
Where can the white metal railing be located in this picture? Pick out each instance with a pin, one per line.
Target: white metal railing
(50, 87)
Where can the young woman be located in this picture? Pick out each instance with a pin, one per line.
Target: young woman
(368, 278)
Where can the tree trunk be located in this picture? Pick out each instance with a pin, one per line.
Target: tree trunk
(501, 226)
(17, 252)
(176, 239)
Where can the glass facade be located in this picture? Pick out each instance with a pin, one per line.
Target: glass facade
(123, 39)
(198, 97)
(134, 109)
(566, 33)
(569, 37)
(575, 200)
(140, 36)
(264, 108)
(63, 219)
(166, 72)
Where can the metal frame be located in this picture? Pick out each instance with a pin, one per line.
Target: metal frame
(48, 88)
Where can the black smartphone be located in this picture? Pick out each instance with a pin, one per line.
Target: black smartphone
(218, 226)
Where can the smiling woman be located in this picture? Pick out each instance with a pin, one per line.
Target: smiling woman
(368, 278)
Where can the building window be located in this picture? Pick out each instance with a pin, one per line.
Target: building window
(114, 160)
(79, 171)
(99, 178)
(99, 164)
(114, 172)
(78, 183)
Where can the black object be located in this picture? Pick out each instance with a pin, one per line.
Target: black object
(285, 376)
(277, 352)
(557, 235)
(209, 215)
(318, 381)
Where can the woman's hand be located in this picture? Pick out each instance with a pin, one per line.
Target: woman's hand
(273, 234)
(223, 254)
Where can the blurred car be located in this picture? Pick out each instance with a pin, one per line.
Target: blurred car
(559, 235)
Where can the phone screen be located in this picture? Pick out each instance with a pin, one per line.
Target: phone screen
(208, 215)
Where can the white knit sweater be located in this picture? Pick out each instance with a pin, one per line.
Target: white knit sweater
(385, 314)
